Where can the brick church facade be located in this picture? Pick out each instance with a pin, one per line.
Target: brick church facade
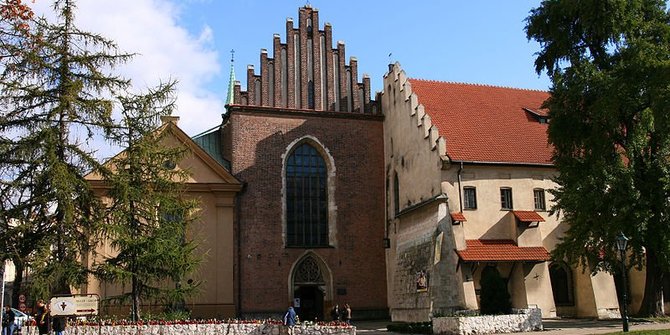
(306, 141)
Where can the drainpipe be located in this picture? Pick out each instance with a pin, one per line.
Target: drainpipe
(460, 189)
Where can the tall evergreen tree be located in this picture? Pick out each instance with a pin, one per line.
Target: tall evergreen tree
(148, 214)
(54, 93)
(609, 62)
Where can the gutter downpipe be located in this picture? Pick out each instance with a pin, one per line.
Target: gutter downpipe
(460, 189)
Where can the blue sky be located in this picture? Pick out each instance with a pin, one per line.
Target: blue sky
(472, 41)
(465, 41)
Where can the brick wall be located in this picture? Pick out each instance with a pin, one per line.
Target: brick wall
(258, 139)
(306, 72)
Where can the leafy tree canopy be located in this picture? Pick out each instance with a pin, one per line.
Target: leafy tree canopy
(609, 62)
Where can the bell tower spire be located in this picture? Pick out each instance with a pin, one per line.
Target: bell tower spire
(230, 99)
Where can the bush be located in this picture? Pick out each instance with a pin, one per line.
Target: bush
(494, 297)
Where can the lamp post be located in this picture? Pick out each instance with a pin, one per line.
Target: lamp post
(621, 243)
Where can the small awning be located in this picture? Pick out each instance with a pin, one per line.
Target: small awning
(528, 216)
(457, 216)
(501, 251)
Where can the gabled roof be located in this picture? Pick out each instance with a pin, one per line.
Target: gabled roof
(198, 151)
(219, 178)
(487, 124)
(501, 251)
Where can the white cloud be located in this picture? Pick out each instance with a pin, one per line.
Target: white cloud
(165, 50)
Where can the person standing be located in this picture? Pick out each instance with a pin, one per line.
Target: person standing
(8, 321)
(42, 317)
(335, 313)
(58, 325)
(290, 319)
(347, 314)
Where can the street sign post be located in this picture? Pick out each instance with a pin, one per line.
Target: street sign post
(75, 305)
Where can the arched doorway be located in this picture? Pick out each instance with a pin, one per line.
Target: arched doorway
(561, 284)
(309, 288)
(311, 302)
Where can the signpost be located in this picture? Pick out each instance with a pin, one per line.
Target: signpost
(75, 305)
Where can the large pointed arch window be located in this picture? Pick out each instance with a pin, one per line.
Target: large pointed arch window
(306, 198)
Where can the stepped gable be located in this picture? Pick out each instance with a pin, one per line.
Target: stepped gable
(487, 124)
(306, 73)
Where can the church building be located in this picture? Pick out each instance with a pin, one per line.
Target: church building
(306, 141)
(317, 194)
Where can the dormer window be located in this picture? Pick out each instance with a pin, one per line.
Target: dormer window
(541, 116)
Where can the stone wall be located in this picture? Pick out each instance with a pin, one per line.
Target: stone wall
(210, 329)
(526, 320)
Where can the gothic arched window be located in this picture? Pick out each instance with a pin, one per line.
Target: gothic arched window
(306, 198)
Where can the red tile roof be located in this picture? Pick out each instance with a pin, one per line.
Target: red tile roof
(528, 216)
(487, 123)
(501, 251)
(458, 216)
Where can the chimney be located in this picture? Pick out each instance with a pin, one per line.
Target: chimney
(165, 119)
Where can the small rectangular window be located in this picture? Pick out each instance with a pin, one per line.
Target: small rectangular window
(506, 198)
(538, 197)
(469, 198)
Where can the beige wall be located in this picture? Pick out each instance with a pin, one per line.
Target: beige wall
(408, 150)
(215, 190)
(489, 221)
(420, 229)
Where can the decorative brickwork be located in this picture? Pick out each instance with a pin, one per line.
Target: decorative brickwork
(306, 72)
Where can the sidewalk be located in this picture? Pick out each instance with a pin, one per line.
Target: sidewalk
(551, 327)
(586, 326)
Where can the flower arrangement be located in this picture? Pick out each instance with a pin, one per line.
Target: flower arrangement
(152, 322)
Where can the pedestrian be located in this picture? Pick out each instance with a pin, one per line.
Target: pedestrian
(290, 319)
(335, 313)
(42, 317)
(347, 313)
(58, 325)
(8, 321)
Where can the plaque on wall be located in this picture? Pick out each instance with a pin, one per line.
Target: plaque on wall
(421, 281)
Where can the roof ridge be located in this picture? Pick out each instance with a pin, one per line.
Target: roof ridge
(480, 85)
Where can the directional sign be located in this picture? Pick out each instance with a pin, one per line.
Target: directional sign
(84, 304)
(63, 306)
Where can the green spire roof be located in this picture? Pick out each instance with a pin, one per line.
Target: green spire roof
(231, 81)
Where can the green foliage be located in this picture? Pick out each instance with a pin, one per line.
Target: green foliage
(494, 298)
(53, 98)
(609, 62)
(148, 214)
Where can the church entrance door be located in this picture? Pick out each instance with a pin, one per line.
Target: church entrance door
(311, 303)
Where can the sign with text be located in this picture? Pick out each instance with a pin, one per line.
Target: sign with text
(75, 305)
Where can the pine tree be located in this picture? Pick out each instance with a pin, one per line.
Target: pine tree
(148, 215)
(54, 97)
(609, 62)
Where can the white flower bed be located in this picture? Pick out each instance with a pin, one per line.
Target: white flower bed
(208, 329)
(524, 321)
